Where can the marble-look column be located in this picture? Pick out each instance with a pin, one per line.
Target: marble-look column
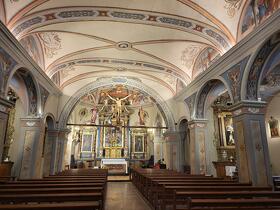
(171, 150)
(198, 132)
(50, 152)
(251, 143)
(5, 107)
(32, 130)
(158, 148)
(61, 148)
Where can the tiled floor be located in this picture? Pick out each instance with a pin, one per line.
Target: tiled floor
(124, 196)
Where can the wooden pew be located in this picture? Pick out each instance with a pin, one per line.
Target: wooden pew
(90, 205)
(67, 191)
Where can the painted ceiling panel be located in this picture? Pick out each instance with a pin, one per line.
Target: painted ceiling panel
(162, 6)
(180, 54)
(163, 43)
(13, 6)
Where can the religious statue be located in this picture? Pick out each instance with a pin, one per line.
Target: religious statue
(118, 108)
(229, 132)
(142, 115)
(273, 125)
(93, 114)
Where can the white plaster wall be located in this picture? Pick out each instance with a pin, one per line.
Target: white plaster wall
(51, 106)
(179, 109)
(273, 143)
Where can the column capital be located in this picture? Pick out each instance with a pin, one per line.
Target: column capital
(197, 123)
(248, 107)
(31, 122)
(171, 135)
(5, 105)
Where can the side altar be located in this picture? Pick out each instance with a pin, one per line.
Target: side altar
(115, 166)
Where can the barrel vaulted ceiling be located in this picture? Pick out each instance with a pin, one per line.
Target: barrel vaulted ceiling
(164, 44)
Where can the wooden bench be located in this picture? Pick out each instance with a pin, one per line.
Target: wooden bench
(89, 205)
(79, 190)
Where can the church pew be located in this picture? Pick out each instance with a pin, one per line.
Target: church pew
(54, 197)
(167, 193)
(48, 185)
(182, 198)
(265, 203)
(83, 172)
(55, 181)
(16, 191)
(148, 183)
(90, 205)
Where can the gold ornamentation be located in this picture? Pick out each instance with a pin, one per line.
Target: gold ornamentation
(10, 133)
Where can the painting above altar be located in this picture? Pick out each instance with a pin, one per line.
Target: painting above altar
(113, 137)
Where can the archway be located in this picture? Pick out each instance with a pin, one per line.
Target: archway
(134, 101)
(213, 102)
(22, 89)
(48, 144)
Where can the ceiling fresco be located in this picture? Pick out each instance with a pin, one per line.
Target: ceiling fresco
(163, 44)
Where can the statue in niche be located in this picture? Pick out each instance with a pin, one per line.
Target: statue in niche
(273, 125)
(229, 131)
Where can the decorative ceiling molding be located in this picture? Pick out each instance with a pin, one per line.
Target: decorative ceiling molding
(24, 11)
(70, 104)
(113, 61)
(91, 74)
(70, 14)
(210, 17)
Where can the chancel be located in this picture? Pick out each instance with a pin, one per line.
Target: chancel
(139, 105)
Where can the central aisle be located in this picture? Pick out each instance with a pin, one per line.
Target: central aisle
(124, 196)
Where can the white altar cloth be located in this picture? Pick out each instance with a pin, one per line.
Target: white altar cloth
(114, 161)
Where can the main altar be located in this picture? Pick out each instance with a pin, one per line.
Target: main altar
(106, 137)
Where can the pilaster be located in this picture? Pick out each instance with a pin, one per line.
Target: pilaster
(251, 142)
(61, 148)
(171, 150)
(197, 146)
(32, 130)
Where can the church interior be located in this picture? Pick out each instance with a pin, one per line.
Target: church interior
(139, 104)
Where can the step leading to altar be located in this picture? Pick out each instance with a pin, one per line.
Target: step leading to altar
(115, 166)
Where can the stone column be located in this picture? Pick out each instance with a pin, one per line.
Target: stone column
(5, 107)
(251, 143)
(61, 148)
(171, 150)
(158, 143)
(197, 146)
(53, 143)
(32, 130)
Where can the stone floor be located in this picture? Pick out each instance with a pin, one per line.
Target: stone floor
(118, 178)
(124, 196)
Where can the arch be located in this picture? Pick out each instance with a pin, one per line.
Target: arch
(255, 67)
(70, 104)
(269, 82)
(203, 93)
(49, 120)
(33, 90)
